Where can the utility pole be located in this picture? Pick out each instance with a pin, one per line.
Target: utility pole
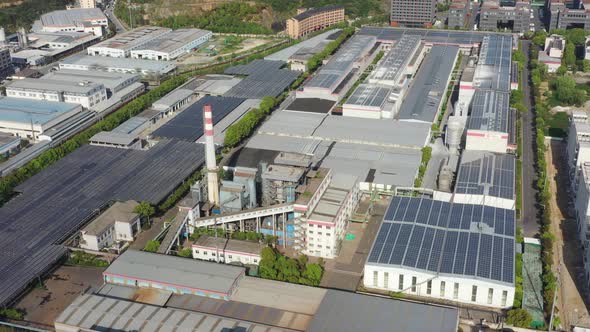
(130, 16)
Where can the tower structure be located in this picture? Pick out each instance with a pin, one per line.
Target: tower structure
(212, 180)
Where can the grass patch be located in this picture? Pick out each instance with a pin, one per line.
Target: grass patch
(85, 259)
(557, 125)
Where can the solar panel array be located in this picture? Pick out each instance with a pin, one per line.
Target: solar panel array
(490, 111)
(428, 35)
(394, 63)
(494, 64)
(369, 95)
(188, 125)
(442, 237)
(485, 173)
(264, 78)
(60, 200)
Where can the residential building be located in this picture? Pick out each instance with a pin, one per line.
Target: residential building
(91, 20)
(6, 68)
(552, 52)
(578, 146)
(310, 20)
(568, 14)
(122, 44)
(28, 118)
(148, 69)
(458, 11)
(84, 93)
(450, 251)
(582, 215)
(87, 3)
(119, 223)
(498, 15)
(171, 45)
(412, 13)
(227, 251)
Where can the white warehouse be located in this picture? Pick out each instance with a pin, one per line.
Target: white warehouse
(121, 45)
(84, 93)
(229, 251)
(171, 45)
(456, 252)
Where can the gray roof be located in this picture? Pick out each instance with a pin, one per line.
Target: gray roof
(428, 88)
(6, 139)
(264, 78)
(342, 311)
(486, 173)
(38, 111)
(314, 11)
(129, 64)
(171, 99)
(111, 80)
(178, 271)
(132, 39)
(78, 86)
(395, 61)
(312, 42)
(230, 244)
(75, 16)
(490, 111)
(120, 211)
(461, 240)
(340, 64)
(433, 36)
(113, 137)
(172, 41)
(372, 95)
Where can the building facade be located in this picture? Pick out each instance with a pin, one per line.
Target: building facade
(497, 16)
(87, 3)
(227, 251)
(84, 93)
(564, 15)
(172, 45)
(457, 14)
(6, 68)
(117, 223)
(412, 13)
(91, 20)
(311, 20)
(552, 52)
(122, 44)
(146, 68)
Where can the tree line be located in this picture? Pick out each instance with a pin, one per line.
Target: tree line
(26, 12)
(274, 265)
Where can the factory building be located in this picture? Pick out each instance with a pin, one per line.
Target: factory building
(115, 139)
(174, 274)
(309, 20)
(327, 82)
(29, 118)
(148, 69)
(565, 14)
(85, 93)
(450, 251)
(412, 13)
(552, 52)
(113, 82)
(117, 225)
(91, 20)
(227, 251)
(498, 15)
(173, 101)
(9, 144)
(122, 44)
(492, 123)
(171, 45)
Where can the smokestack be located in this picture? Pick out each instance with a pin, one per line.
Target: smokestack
(2, 36)
(212, 181)
(23, 40)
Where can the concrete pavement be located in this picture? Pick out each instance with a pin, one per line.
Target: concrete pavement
(529, 213)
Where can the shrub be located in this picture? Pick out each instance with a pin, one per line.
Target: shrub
(519, 318)
(152, 246)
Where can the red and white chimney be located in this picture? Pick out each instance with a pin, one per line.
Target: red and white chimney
(212, 180)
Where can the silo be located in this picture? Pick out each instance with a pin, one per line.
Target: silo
(454, 133)
(2, 36)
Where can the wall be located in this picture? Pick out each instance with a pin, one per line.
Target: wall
(225, 256)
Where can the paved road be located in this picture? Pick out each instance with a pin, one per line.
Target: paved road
(473, 18)
(111, 15)
(529, 213)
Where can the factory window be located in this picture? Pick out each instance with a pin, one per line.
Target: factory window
(196, 251)
(328, 227)
(204, 253)
(320, 233)
(413, 284)
(386, 280)
(442, 289)
(473, 293)
(310, 232)
(229, 256)
(429, 287)
(456, 291)
(319, 245)
(375, 278)
(328, 247)
(504, 297)
(401, 282)
(490, 295)
(319, 226)
(311, 244)
(328, 234)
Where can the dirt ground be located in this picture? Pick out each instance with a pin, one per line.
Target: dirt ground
(567, 248)
(42, 306)
(201, 56)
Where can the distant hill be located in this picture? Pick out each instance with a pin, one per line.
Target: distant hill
(22, 13)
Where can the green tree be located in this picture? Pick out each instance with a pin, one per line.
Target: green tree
(266, 266)
(10, 313)
(562, 70)
(569, 57)
(185, 252)
(566, 91)
(287, 269)
(586, 65)
(152, 246)
(145, 210)
(519, 318)
(312, 274)
(539, 38)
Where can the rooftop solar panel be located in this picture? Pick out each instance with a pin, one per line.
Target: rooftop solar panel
(448, 241)
(264, 78)
(486, 173)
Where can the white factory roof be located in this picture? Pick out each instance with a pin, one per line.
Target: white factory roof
(113, 137)
(110, 80)
(285, 54)
(333, 198)
(64, 18)
(109, 62)
(120, 211)
(19, 110)
(77, 86)
(132, 39)
(174, 40)
(171, 99)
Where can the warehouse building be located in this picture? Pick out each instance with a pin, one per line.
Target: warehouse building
(309, 20)
(174, 274)
(492, 123)
(113, 82)
(122, 44)
(115, 226)
(327, 82)
(229, 251)
(81, 92)
(457, 252)
(498, 15)
(254, 305)
(412, 13)
(114, 139)
(171, 45)
(146, 68)
(91, 20)
(30, 118)
(173, 101)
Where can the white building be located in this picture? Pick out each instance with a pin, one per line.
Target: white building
(171, 45)
(173, 101)
(90, 20)
(578, 145)
(552, 52)
(122, 44)
(322, 217)
(492, 123)
(87, 3)
(582, 215)
(229, 251)
(84, 93)
(112, 81)
(455, 252)
(146, 68)
(587, 49)
(117, 223)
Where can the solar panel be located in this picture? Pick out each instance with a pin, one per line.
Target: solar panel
(508, 266)
(379, 242)
(414, 246)
(461, 253)
(448, 255)
(399, 249)
(389, 243)
(485, 254)
(496, 266)
(436, 251)
(425, 248)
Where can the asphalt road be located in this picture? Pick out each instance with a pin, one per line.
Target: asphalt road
(111, 15)
(529, 213)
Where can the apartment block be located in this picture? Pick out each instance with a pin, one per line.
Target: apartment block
(412, 13)
(458, 14)
(568, 14)
(314, 19)
(496, 15)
